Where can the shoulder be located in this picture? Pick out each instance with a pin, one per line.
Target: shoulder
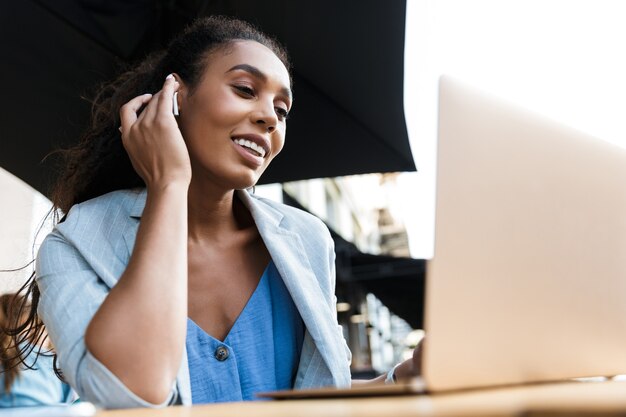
(312, 233)
(295, 219)
(112, 206)
(92, 230)
(108, 213)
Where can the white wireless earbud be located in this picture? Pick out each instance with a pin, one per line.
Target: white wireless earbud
(175, 103)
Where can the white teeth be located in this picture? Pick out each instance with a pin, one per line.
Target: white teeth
(251, 145)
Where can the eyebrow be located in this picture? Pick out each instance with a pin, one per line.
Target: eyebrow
(257, 73)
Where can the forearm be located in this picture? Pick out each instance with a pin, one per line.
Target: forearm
(374, 381)
(138, 332)
(403, 370)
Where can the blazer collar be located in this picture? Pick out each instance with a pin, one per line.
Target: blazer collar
(259, 211)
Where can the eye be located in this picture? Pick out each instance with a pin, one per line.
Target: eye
(244, 90)
(282, 113)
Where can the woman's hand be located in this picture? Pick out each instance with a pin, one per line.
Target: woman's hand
(411, 367)
(153, 140)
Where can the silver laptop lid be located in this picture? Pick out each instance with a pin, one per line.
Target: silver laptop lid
(528, 279)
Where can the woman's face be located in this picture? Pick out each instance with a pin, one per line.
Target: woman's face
(234, 122)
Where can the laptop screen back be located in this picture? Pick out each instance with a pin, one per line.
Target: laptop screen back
(528, 279)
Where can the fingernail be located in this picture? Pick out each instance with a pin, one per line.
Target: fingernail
(169, 77)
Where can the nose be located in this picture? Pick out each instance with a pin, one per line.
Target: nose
(265, 117)
(269, 127)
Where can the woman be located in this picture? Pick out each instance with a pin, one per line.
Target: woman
(167, 282)
(21, 386)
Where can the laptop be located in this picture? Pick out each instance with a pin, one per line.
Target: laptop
(528, 279)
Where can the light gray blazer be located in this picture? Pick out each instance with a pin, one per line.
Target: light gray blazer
(82, 259)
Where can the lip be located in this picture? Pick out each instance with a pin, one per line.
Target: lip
(248, 156)
(258, 139)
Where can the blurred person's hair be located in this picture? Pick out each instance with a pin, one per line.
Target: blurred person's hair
(14, 310)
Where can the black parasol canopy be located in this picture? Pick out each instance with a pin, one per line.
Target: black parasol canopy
(348, 116)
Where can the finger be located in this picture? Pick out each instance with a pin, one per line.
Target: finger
(128, 112)
(418, 354)
(165, 106)
(150, 112)
(161, 100)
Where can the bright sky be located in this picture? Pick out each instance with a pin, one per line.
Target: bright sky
(563, 58)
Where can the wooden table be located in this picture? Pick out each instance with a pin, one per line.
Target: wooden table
(606, 398)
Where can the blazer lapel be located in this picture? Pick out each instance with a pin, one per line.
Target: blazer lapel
(291, 260)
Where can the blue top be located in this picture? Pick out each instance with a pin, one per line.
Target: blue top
(36, 387)
(260, 353)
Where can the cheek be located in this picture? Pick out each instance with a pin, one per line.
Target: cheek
(278, 143)
(215, 116)
(213, 109)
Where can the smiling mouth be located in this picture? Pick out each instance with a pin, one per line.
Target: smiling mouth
(251, 147)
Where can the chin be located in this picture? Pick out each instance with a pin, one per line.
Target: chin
(230, 176)
(244, 185)
(244, 181)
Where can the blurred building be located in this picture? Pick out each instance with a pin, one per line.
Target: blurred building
(22, 213)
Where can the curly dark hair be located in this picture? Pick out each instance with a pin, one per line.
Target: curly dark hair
(99, 164)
